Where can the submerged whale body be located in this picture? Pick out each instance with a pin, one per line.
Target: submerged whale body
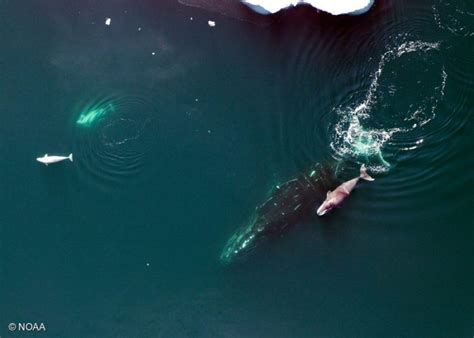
(286, 205)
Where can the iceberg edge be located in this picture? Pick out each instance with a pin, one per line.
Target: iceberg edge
(334, 7)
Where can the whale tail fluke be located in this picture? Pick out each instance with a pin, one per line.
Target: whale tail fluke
(364, 175)
(70, 157)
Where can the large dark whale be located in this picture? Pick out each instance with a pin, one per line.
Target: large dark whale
(286, 205)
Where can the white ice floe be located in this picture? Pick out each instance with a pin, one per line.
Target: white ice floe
(211, 23)
(335, 7)
(108, 21)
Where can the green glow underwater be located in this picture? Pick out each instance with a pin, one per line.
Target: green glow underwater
(367, 146)
(94, 113)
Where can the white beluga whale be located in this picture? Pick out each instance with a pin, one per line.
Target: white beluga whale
(337, 196)
(46, 159)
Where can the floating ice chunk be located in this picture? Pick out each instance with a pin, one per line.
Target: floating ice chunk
(153, 53)
(335, 7)
(108, 21)
(211, 23)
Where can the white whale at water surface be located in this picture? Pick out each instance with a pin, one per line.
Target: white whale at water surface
(46, 159)
(334, 7)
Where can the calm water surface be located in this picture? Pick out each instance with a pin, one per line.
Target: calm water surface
(179, 130)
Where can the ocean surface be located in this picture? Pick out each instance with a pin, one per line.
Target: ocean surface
(179, 130)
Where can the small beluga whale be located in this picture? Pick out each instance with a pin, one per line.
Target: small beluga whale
(47, 159)
(336, 197)
(287, 204)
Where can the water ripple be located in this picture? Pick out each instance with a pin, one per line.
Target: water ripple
(113, 138)
(385, 116)
(456, 18)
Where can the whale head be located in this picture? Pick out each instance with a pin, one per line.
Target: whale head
(327, 206)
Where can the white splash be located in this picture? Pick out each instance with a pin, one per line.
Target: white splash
(352, 139)
(406, 47)
(334, 7)
(456, 18)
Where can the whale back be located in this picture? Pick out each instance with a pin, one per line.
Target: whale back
(285, 206)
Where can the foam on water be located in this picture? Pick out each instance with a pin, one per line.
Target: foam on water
(121, 131)
(354, 133)
(456, 18)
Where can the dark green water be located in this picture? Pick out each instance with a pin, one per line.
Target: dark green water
(193, 126)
